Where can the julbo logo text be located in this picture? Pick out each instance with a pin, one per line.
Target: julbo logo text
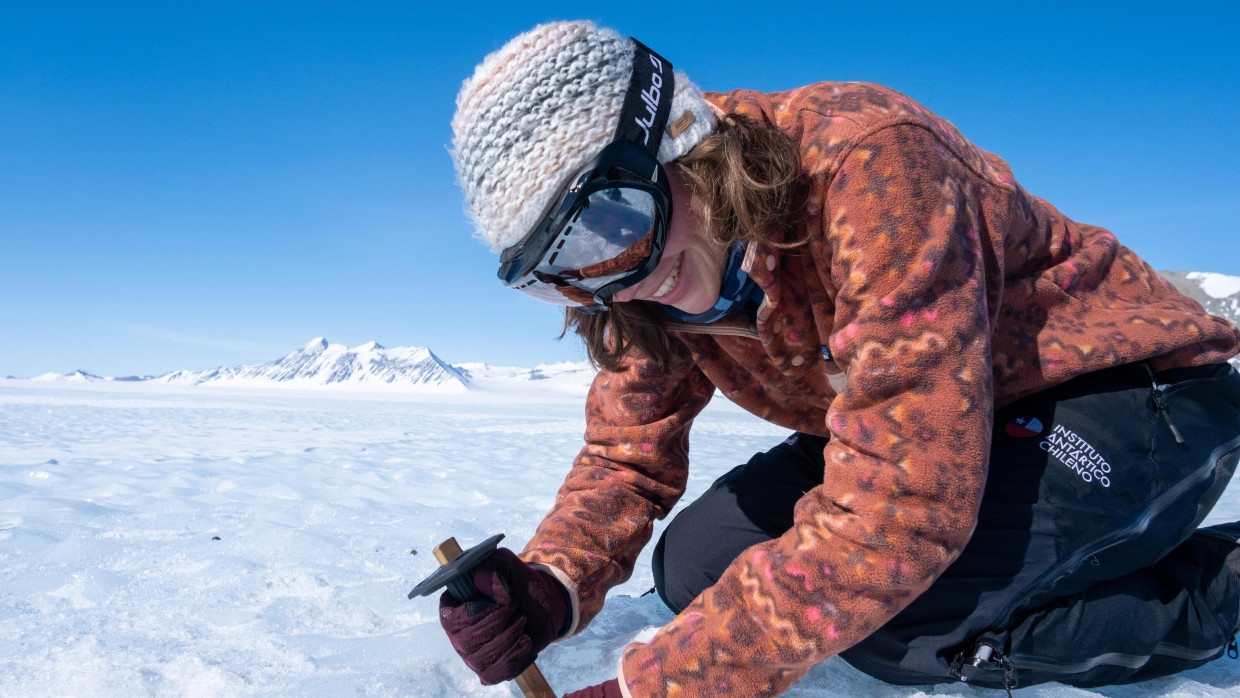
(651, 96)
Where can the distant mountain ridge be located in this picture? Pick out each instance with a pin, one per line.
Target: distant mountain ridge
(321, 364)
(369, 367)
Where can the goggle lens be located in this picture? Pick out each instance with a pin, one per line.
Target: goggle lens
(605, 234)
(610, 234)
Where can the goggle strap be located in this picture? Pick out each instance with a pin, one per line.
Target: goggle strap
(648, 101)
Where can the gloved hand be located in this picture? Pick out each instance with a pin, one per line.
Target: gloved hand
(607, 689)
(521, 610)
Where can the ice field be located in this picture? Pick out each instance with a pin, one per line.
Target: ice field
(175, 541)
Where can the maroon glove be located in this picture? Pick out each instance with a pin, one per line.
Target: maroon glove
(607, 689)
(519, 612)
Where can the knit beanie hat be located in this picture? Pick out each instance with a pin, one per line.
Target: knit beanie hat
(538, 109)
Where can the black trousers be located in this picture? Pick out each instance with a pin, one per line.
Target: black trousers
(1086, 566)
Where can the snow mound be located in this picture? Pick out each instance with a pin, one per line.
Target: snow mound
(568, 377)
(78, 376)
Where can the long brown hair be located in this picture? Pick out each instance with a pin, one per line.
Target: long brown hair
(745, 179)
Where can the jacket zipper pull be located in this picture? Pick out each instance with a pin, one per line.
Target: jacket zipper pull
(1160, 404)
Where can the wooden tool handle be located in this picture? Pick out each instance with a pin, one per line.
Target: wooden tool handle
(531, 681)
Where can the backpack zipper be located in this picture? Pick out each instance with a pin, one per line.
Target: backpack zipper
(1160, 403)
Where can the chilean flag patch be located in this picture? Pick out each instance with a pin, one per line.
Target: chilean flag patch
(1023, 427)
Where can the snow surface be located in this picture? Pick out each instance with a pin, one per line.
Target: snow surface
(566, 377)
(162, 540)
(1216, 285)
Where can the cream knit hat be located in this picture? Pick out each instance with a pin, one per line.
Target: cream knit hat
(537, 110)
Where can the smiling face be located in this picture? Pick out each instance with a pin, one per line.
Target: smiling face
(690, 272)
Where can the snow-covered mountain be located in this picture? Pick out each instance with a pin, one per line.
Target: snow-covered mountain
(1219, 294)
(78, 376)
(320, 364)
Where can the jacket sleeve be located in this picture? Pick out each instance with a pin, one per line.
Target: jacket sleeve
(631, 471)
(910, 435)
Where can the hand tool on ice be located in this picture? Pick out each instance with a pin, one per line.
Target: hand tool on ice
(456, 573)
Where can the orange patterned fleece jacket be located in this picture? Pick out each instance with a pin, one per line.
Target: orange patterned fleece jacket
(932, 289)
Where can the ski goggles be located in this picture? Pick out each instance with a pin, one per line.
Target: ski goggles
(606, 229)
(603, 234)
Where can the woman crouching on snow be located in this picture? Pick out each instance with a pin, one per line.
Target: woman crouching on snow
(1007, 427)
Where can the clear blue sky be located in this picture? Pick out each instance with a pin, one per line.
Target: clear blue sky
(195, 185)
